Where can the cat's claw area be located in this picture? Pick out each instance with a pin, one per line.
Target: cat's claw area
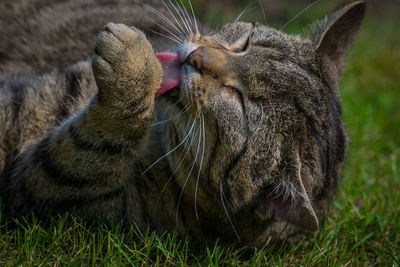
(171, 72)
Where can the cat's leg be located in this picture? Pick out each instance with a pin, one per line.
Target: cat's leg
(84, 164)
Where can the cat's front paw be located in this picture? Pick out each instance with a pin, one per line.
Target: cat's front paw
(124, 65)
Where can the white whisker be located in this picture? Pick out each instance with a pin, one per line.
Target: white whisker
(173, 15)
(168, 153)
(174, 104)
(168, 31)
(241, 14)
(182, 158)
(295, 17)
(167, 20)
(172, 34)
(226, 200)
(187, 177)
(263, 11)
(187, 31)
(221, 193)
(188, 18)
(194, 17)
(181, 14)
(201, 165)
(176, 116)
(177, 132)
(166, 36)
(165, 121)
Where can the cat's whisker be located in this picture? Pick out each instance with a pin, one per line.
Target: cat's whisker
(184, 131)
(263, 11)
(180, 39)
(164, 35)
(221, 193)
(176, 33)
(185, 108)
(185, 19)
(163, 17)
(304, 10)
(176, 116)
(201, 164)
(185, 16)
(194, 17)
(226, 200)
(175, 27)
(176, 132)
(165, 121)
(188, 176)
(187, 31)
(202, 31)
(183, 31)
(190, 144)
(188, 17)
(241, 14)
(181, 159)
(168, 153)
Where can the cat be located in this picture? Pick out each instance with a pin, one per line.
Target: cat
(249, 146)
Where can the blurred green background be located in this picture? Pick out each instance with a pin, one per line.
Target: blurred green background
(279, 12)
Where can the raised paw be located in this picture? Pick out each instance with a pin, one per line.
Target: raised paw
(124, 64)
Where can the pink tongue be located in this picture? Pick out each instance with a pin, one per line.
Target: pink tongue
(172, 72)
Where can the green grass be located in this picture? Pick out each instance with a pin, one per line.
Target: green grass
(362, 228)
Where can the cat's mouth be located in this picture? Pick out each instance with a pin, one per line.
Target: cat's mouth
(172, 72)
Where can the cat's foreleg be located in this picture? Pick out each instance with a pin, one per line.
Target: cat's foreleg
(84, 164)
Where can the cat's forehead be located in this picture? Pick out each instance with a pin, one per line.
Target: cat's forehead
(231, 33)
(270, 37)
(258, 34)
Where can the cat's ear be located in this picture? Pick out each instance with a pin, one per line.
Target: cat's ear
(297, 211)
(288, 198)
(333, 38)
(294, 206)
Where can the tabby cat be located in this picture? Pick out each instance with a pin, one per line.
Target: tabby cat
(249, 146)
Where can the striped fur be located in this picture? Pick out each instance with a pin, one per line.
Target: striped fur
(251, 141)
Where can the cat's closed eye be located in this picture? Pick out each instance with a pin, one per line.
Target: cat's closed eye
(243, 47)
(243, 44)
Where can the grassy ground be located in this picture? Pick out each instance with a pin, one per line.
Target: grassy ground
(362, 228)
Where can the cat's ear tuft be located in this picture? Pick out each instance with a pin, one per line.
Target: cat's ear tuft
(334, 36)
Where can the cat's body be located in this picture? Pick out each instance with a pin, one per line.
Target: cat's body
(256, 141)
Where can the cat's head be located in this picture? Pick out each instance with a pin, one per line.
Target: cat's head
(256, 124)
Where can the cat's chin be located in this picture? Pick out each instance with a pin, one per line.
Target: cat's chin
(171, 95)
(174, 92)
(170, 101)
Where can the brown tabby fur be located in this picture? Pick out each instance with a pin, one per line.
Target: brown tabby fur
(258, 139)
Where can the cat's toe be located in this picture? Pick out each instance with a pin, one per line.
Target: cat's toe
(109, 47)
(126, 35)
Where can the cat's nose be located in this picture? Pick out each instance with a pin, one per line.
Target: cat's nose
(195, 58)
